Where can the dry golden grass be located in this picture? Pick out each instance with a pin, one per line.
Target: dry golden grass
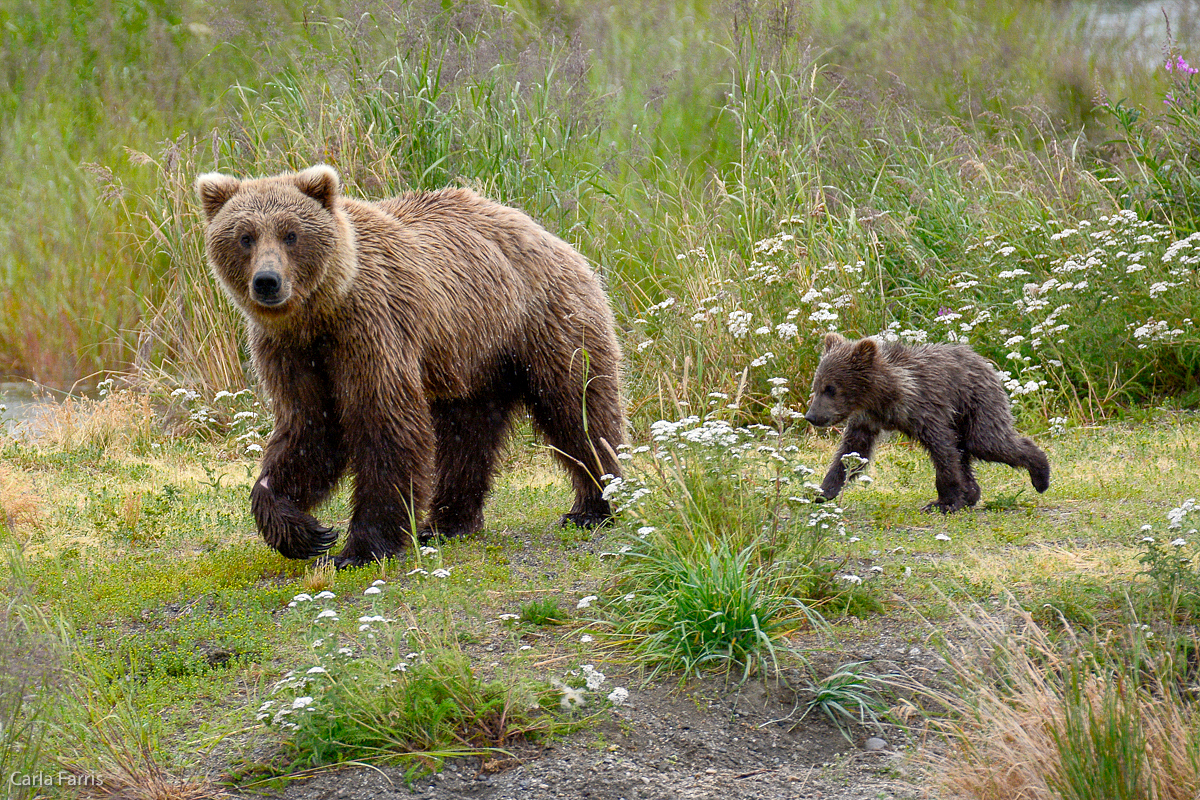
(20, 504)
(1036, 720)
(319, 577)
(120, 421)
(136, 782)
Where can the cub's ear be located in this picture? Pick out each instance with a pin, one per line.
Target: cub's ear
(214, 191)
(832, 340)
(321, 183)
(865, 350)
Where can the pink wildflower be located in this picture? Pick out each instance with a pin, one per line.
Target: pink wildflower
(1180, 65)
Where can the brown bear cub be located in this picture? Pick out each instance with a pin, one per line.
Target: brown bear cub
(395, 340)
(947, 397)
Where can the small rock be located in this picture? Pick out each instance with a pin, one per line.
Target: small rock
(875, 743)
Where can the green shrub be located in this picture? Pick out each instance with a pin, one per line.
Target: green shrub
(369, 698)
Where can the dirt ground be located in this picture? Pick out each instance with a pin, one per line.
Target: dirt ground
(709, 739)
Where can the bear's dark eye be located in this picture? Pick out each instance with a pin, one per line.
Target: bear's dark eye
(289, 238)
(829, 391)
(246, 241)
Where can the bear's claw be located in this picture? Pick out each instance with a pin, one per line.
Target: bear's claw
(585, 519)
(317, 541)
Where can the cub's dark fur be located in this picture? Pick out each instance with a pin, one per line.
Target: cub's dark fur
(946, 397)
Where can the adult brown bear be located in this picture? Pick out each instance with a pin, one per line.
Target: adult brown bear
(395, 340)
(947, 397)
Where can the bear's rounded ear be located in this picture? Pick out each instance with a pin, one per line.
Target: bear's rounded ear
(321, 183)
(832, 340)
(865, 350)
(214, 191)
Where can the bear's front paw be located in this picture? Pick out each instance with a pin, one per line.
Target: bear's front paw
(442, 534)
(585, 519)
(449, 529)
(944, 506)
(357, 558)
(314, 540)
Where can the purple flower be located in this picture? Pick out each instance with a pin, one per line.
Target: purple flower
(1180, 65)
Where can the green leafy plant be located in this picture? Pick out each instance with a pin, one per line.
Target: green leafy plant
(847, 695)
(543, 611)
(725, 535)
(1171, 567)
(369, 699)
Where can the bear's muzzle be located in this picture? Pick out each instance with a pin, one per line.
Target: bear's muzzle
(266, 288)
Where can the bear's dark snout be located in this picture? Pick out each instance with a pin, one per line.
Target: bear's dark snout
(816, 417)
(266, 286)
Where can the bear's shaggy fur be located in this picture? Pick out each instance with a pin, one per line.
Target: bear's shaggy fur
(947, 397)
(395, 340)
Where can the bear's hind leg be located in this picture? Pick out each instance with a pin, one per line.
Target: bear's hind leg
(584, 429)
(1007, 447)
(952, 487)
(971, 490)
(469, 434)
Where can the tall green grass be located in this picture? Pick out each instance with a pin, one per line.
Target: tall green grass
(729, 159)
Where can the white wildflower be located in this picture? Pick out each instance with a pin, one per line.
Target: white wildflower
(618, 696)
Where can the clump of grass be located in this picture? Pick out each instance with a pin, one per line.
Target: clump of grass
(724, 541)
(1037, 718)
(319, 577)
(543, 611)
(368, 698)
(705, 608)
(32, 678)
(113, 748)
(120, 420)
(846, 696)
(20, 505)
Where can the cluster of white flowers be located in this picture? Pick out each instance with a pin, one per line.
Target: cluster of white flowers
(1015, 387)
(691, 431)
(1185, 251)
(739, 323)
(773, 244)
(1153, 330)
(1176, 516)
(576, 697)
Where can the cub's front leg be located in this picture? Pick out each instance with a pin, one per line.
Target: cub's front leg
(859, 437)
